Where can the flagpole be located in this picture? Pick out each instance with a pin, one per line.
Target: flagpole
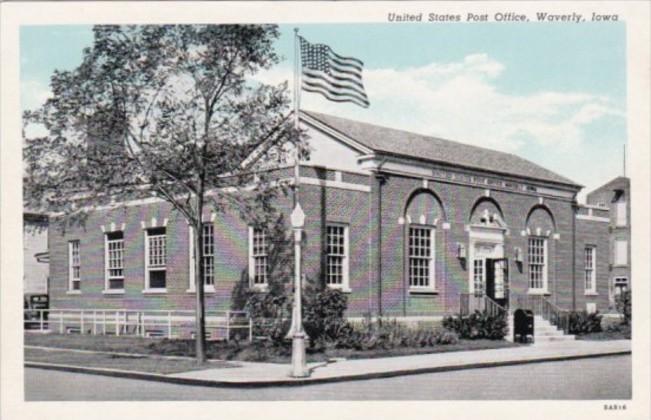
(297, 108)
(297, 218)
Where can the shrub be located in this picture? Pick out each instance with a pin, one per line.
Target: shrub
(270, 315)
(390, 334)
(623, 304)
(623, 329)
(478, 325)
(582, 322)
(447, 337)
(323, 314)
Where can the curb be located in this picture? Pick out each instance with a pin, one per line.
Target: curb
(117, 353)
(308, 381)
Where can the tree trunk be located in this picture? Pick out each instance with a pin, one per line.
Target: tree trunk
(200, 317)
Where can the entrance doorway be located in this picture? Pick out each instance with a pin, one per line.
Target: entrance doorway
(497, 280)
(488, 266)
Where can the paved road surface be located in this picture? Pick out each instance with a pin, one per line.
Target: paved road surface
(600, 378)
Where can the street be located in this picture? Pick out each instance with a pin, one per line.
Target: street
(594, 378)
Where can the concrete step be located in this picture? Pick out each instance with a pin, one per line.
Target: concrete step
(548, 333)
(544, 331)
(552, 338)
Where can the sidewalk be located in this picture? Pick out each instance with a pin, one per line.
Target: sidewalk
(248, 374)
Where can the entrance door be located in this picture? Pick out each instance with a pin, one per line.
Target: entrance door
(490, 278)
(497, 280)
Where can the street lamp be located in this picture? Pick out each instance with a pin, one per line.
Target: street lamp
(296, 332)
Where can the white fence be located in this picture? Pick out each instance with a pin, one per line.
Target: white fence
(220, 325)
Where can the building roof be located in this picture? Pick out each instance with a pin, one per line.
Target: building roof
(403, 143)
(618, 183)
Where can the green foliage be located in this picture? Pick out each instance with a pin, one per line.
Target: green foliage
(325, 323)
(447, 337)
(323, 314)
(623, 304)
(582, 322)
(620, 330)
(270, 314)
(163, 109)
(387, 335)
(478, 325)
(170, 111)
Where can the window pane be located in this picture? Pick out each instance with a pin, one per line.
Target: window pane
(115, 260)
(260, 257)
(208, 247)
(157, 257)
(621, 251)
(537, 262)
(116, 283)
(74, 265)
(420, 257)
(620, 209)
(157, 279)
(335, 254)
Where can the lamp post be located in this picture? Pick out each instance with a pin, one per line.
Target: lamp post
(296, 332)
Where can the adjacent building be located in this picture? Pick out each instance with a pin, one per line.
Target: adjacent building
(616, 196)
(406, 225)
(35, 262)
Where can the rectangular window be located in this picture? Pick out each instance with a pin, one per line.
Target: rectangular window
(620, 210)
(114, 261)
(258, 257)
(621, 252)
(155, 258)
(537, 264)
(590, 271)
(478, 276)
(337, 256)
(74, 266)
(421, 258)
(208, 243)
(620, 284)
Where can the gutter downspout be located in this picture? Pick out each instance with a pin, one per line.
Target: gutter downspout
(575, 208)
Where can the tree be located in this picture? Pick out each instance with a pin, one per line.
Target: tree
(165, 110)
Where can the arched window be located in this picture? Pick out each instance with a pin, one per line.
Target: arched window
(422, 214)
(540, 226)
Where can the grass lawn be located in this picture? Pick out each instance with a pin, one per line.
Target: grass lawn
(606, 335)
(147, 364)
(256, 352)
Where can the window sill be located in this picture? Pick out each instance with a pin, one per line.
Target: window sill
(620, 265)
(591, 294)
(259, 288)
(342, 289)
(539, 292)
(423, 292)
(73, 292)
(210, 289)
(113, 291)
(154, 291)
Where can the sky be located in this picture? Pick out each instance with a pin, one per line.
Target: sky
(553, 93)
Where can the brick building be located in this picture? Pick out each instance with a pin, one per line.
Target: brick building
(406, 225)
(35, 262)
(616, 196)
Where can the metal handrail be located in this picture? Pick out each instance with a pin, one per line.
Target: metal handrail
(132, 322)
(493, 308)
(556, 315)
(469, 302)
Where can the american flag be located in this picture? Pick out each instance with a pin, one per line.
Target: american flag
(337, 78)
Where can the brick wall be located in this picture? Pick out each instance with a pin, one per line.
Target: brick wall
(35, 274)
(452, 206)
(596, 234)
